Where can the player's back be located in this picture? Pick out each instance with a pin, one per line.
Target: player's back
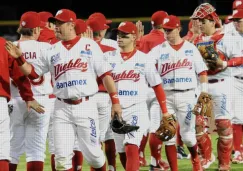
(31, 50)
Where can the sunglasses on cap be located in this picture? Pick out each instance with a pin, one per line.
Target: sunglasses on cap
(123, 35)
(236, 20)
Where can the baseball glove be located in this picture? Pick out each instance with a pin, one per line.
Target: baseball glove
(204, 105)
(121, 127)
(167, 129)
(209, 55)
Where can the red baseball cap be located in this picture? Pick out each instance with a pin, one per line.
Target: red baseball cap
(238, 13)
(80, 26)
(171, 22)
(64, 15)
(30, 20)
(44, 15)
(97, 23)
(127, 27)
(100, 15)
(158, 17)
(237, 4)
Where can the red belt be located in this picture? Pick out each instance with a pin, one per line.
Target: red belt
(215, 81)
(73, 102)
(241, 78)
(51, 96)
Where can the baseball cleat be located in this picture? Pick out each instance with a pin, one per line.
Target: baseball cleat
(207, 163)
(238, 158)
(181, 154)
(143, 162)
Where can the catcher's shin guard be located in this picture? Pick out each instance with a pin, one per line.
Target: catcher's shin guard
(225, 142)
(205, 146)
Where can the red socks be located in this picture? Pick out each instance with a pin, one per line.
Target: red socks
(171, 154)
(143, 144)
(103, 168)
(155, 147)
(178, 137)
(110, 151)
(237, 136)
(77, 161)
(12, 167)
(132, 163)
(35, 166)
(123, 159)
(4, 165)
(53, 162)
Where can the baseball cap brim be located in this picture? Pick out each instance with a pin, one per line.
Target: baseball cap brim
(54, 19)
(118, 29)
(168, 27)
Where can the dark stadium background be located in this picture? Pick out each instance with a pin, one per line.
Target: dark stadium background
(12, 10)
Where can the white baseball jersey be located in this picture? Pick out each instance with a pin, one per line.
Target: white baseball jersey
(73, 71)
(178, 68)
(229, 28)
(232, 46)
(109, 42)
(132, 77)
(32, 51)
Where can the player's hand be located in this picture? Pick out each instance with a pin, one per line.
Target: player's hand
(140, 28)
(166, 114)
(35, 106)
(88, 33)
(12, 49)
(116, 109)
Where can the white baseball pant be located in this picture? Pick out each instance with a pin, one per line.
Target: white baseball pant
(81, 120)
(28, 130)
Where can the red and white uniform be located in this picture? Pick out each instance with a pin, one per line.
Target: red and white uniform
(21, 121)
(178, 66)
(74, 66)
(9, 68)
(132, 77)
(109, 42)
(219, 81)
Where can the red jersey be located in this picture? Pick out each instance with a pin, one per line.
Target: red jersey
(47, 35)
(149, 41)
(10, 68)
(104, 49)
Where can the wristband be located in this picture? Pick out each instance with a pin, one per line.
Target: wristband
(114, 98)
(20, 60)
(204, 87)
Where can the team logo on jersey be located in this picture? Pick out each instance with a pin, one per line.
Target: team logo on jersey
(128, 93)
(113, 65)
(55, 58)
(164, 57)
(188, 52)
(126, 75)
(78, 64)
(140, 67)
(86, 53)
(168, 67)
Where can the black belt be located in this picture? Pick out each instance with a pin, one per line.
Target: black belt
(215, 81)
(181, 90)
(73, 102)
(240, 78)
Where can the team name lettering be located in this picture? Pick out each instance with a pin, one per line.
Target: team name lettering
(127, 93)
(126, 75)
(71, 65)
(176, 80)
(168, 67)
(29, 55)
(92, 127)
(70, 83)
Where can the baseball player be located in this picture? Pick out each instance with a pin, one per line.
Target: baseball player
(219, 87)
(132, 72)
(98, 25)
(178, 61)
(104, 41)
(232, 43)
(146, 43)
(47, 29)
(28, 128)
(9, 68)
(74, 64)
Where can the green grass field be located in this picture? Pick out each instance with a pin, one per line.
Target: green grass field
(184, 165)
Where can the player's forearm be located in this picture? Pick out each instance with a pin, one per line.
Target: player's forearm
(204, 82)
(237, 61)
(161, 97)
(26, 68)
(111, 88)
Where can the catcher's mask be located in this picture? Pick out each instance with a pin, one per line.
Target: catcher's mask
(206, 11)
